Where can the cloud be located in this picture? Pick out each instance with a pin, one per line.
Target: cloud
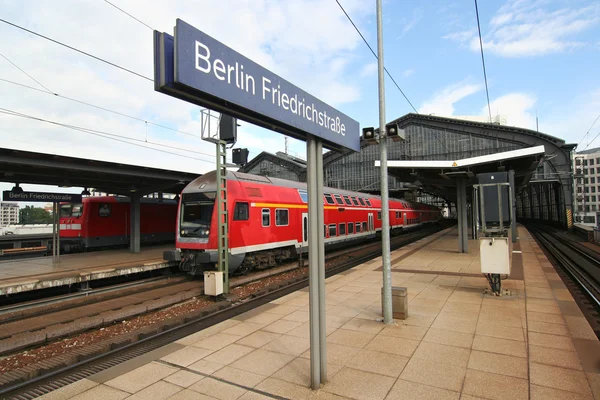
(524, 29)
(319, 63)
(369, 69)
(516, 106)
(407, 24)
(408, 72)
(442, 103)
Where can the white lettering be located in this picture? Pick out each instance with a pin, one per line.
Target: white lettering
(285, 100)
(204, 57)
(294, 104)
(265, 88)
(230, 68)
(308, 113)
(343, 130)
(250, 79)
(219, 67)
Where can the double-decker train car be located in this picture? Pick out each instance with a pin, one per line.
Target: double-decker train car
(268, 221)
(104, 222)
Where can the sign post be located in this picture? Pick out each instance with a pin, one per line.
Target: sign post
(196, 68)
(44, 197)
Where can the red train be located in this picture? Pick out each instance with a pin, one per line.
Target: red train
(103, 222)
(269, 220)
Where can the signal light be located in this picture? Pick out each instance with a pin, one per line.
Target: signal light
(394, 132)
(369, 135)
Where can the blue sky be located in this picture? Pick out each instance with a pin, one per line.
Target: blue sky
(542, 57)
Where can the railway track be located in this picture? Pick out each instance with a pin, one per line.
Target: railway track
(578, 266)
(135, 344)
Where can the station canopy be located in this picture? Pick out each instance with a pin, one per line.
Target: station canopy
(439, 176)
(17, 166)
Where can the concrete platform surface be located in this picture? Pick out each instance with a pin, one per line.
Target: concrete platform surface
(40, 273)
(457, 342)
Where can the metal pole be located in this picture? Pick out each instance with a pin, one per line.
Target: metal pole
(58, 233)
(314, 230)
(322, 299)
(385, 214)
(54, 206)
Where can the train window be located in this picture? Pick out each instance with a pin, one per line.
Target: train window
(104, 210)
(324, 231)
(368, 202)
(397, 214)
(332, 230)
(329, 199)
(266, 217)
(77, 210)
(347, 200)
(65, 211)
(303, 195)
(362, 202)
(241, 212)
(342, 229)
(281, 217)
(350, 228)
(378, 215)
(364, 226)
(338, 199)
(357, 227)
(355, 201)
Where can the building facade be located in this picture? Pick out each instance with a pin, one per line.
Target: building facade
(586, 181)
(9, 213)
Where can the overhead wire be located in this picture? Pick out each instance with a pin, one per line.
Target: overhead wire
(77, 50)
(20, 69)
(483, 62)
(107, 135)
(125, 12)
(100, 108)
(372, 51)
(595, 137)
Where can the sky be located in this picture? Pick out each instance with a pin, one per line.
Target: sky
(541, 57)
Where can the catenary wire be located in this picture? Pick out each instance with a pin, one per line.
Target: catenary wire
(372, 51)
(20, 69)
(588, 132)
(483, 62)
(100, 108)
(105, 135)
(77, 50)
(595, 137)
(125, 12)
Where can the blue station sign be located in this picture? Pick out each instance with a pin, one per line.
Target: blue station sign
(197, 68)
(42, 197)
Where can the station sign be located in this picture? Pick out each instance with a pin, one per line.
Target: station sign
(41, 197)
(197, 68)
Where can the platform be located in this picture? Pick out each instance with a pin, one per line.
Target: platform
(457, 343)
(36, 273)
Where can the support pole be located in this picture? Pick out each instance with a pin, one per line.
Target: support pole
(54, 213)
(223, 245)
(134, 225)
(461, 208)
(321, 223)
(385, 213)
(314, 231)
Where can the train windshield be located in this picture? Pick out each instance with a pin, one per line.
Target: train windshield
(196, 215)
(71, 210)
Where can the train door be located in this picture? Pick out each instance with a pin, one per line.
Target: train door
(371, 228)
(304, 229)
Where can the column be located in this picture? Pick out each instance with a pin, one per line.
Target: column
(134, 224)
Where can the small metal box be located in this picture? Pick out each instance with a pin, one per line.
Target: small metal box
(495, 255)
(213, 283)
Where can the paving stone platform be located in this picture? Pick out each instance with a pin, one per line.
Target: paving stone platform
(457, 342)
(40, 273)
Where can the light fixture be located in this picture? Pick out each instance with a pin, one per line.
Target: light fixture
(176, 198)
(85, 192)
(17, 189)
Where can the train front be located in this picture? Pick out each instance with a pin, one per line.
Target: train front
(71, 225)
(196, 238)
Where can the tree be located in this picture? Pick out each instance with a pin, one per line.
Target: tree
(34, 215)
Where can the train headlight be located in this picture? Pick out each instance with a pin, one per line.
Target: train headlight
(183, 232)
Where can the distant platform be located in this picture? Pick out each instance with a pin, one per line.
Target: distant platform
(22, 275)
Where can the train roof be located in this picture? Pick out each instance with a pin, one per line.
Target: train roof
(265, 180)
